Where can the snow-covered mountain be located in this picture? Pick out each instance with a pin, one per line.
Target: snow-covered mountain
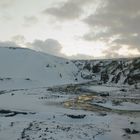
(115, 71)
(20, 67)
(30, 110)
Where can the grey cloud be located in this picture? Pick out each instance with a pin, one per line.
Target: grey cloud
(102, 36)
(53, 47)
(81, 57)
(69, 10)
(8, 44)
(128, 7)
(30, 20)
(6, 17)
(6, 3)
(50, 46)
(131, 41)
(18, 38)
(120, 18)
(112, 52)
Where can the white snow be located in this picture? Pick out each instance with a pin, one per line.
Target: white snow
(102, 88)
(92, 126)
(24, 77)
(40, 69)
(122, 106)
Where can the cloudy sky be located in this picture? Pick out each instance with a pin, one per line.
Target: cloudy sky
(73, 28)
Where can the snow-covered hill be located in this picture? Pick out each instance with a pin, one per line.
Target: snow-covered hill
(23, 68)
(20, 68)
(115, 71)
(29, 110)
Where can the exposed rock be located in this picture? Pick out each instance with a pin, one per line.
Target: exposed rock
(104, 94)
(135, 131)
(127, 130)
(9, 113)
(122, 71)
(76, 116)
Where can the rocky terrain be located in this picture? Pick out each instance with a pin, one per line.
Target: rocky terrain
(43, 97)
(117, 71)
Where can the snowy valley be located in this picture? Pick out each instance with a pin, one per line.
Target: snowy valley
(43, 97)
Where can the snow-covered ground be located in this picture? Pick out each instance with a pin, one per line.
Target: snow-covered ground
(46, 118)
(121, 106)
(29, 111)
(98, 88)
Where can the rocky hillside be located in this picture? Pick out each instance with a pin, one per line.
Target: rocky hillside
(20, 68)
(117, 71)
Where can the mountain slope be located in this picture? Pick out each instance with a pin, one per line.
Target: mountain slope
(20, 66)
(23, 68)
(117, 71)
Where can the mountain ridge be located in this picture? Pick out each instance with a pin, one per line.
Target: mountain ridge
(115, 71)
(23, 66)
